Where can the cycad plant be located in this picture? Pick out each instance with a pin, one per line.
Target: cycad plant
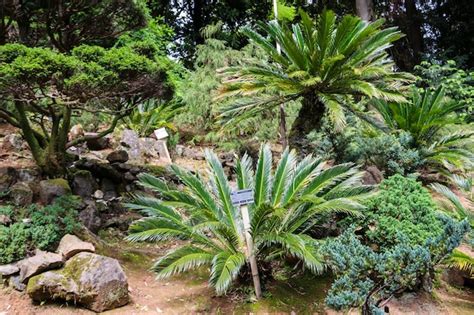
(286, 204)
(151, 115)
(425, 117)
(328, 64)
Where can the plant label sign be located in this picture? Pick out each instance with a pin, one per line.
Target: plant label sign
(161, 133)
(242, 197)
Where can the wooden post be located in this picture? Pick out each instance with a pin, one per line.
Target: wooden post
(250, 253)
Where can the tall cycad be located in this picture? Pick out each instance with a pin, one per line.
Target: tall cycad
(286, 205)
(328, 64)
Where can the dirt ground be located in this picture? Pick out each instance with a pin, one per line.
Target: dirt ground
(190, 294)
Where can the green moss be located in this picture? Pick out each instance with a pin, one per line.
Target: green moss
(303, 295)
(60, 182)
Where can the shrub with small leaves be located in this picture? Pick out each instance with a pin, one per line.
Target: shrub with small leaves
(401, 209)
(366, 277)
(46, 227)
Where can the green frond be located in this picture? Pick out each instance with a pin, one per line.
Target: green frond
(180, 260)
(263, 175)
(462, 261)
(225, 268)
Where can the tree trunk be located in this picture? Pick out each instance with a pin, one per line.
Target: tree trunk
(414, 32)
(309, 119)
(365, 9)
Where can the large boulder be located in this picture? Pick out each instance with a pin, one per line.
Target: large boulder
(21, 194)
(71, 245)
(38, 263)
(83, 184)
(49, 189)
(93, 281)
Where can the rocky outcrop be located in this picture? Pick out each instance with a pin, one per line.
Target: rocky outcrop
(97, 143)
(71, 245)
(50, 189)
(38, 263)
(93, 281)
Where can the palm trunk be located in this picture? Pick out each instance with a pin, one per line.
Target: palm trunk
(309, 118)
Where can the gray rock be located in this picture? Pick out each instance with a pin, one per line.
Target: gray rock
(28, 175)
(109, 188)
(50, 189)
(21, 194)
(179, 150)
(38, 263)
(16, 284)
(93, 281)
(83, 184)
(98, 194)
(89, 218)
(131, 142)
(118, 156)
(71, 245)
(7, 178)
(8, 270)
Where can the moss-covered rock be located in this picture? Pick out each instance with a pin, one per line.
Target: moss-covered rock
(50, 189)
(93, 281)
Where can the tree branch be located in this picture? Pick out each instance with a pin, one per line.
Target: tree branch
(100, 134)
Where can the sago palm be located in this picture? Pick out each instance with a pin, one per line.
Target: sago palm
(327, 63)
(286, 205)
(424, 115)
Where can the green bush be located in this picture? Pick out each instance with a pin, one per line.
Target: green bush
(13, 242)
(401, 209)
(44, 230)
(395, 248)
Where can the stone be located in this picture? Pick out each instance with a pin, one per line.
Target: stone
(89, 280)
(7, 178)
(12, 142)
(118, 156)
(109, 188)
(16, 284)
(83, 184)
(179, 150)
(21, 194)
(5, 220)
(372, 176)
(129, 177)
(97, 144)
(28, 175)
(8, 270)
(76, 132)
(71, 245)
(42, 261)
(148, 148)
(131, 142)
(89, 218)
(50, 189)
(99, 194)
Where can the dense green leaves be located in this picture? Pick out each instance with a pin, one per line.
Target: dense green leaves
(331, 60)
(284, 209)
